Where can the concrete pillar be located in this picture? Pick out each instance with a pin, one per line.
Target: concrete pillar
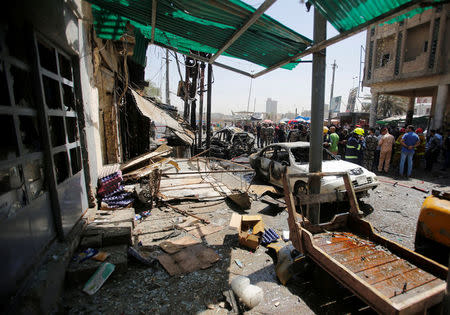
(373, 109)
(410, 111)
(439, 108)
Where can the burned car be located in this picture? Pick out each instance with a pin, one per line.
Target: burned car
(230, 142)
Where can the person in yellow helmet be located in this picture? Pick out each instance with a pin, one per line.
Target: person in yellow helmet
(353, 150)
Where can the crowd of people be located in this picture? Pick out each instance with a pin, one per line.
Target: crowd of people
(374, 148)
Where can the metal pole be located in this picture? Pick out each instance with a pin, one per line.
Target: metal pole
(167, 78)
(410, 111)
(317, 105)
(200, 110)
(192, 95)
(208, 108)
(249, 94)
(334, 65)
(186, 92)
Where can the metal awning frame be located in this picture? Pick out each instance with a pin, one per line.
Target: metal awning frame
(311, 50)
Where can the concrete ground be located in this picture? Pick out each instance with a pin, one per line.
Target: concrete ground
(393, 211)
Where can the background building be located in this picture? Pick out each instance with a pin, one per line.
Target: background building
(410, 58)
(271, 108)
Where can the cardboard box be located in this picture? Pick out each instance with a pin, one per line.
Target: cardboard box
(250, 229)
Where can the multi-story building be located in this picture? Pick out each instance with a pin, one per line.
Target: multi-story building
(271, 108)
(410, 57)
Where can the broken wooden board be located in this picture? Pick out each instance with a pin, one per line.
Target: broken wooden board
(188, 259)
(160, 151)
(260, 190)
(241, 199)
(279, 203)
(201, 231)
(173, 246)
(146, 170)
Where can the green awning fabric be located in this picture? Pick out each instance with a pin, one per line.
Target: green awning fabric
(200, 25)
(345, 15)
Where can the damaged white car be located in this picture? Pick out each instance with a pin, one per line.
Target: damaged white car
(271, 162)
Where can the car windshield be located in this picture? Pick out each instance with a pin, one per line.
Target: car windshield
(301, 154)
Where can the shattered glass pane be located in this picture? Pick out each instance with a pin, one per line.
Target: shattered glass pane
(34, 176)
(68, 97)
(12, 190)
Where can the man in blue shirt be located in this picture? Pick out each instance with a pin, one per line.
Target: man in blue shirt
(409, 141)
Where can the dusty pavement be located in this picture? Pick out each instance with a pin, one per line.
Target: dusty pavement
(392, 210)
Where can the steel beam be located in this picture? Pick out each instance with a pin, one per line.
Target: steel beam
(208, 107)
(197, 57)
(253, 18)
(328, 42)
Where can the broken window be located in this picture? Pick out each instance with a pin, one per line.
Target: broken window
(21, 82)
(72, 130)
(416, 42)
(29, 132)
(61, 166)
(385, 59)
(268, 153)
(68, 97)
(57, 133)
(47, 57)
(9, 149)
(384, 49)
(75, 160)
(51, 91)
(65, 67)
(34, 177)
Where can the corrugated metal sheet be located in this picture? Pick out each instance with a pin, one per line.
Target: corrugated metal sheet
(204, 26)
(345, 15)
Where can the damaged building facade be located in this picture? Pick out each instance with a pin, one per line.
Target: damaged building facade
(64, 114)
(410, 57)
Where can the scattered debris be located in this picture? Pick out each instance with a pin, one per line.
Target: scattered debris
(403, 185)
(174, 246)
(141, 256)
(98, 278)
(240, 198)
(239, 263)
(277, 304)
(250, 229)
(188, 259)
(250, 295)
(231, 142)
(285, 236)
(269, 236)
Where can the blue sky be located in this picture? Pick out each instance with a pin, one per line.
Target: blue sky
(292, 89)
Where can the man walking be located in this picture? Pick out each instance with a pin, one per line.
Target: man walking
(371, 146)
(386, 142)
(409, 142)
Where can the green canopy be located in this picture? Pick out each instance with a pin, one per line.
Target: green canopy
(345, 15)
(203, 26)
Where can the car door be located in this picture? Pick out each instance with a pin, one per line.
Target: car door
(280, 160)
(265, 159)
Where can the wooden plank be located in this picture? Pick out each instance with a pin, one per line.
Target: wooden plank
(370, 261)
(162, 150)
(403, 282)
(421, 298)
(306, 199)
(340, 246)
(385, 271)
(353, 253)
(327, 238)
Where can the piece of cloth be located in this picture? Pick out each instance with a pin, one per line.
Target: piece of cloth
(334, 141)
(385, 158)
(406, 157)
(409, 139)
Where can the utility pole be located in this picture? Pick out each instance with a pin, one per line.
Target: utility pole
(167, 78)
(317, 105)
(186, 92)
(334, 66)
